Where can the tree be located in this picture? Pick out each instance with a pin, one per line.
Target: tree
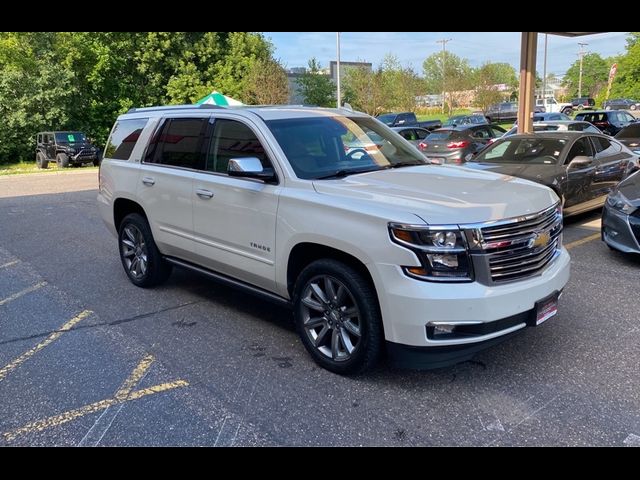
(315, 87)
(487, 79)
(266, 83)
(627, 80)
(363, 89)
(595, 74)
(457, 73)
(400, 85)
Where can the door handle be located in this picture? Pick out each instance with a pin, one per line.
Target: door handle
(206, 194)
(148, 181)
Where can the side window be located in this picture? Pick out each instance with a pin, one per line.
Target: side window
(421, 133)
(605, 147)
(409, 134)
(123, 138)
(628, 117)
(39, 139)
(179, 143)
(581, 147)
(496, 133)
(233, 139)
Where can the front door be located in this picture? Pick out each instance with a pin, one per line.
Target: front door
(235, 218)
(611, 167)
(579, 191)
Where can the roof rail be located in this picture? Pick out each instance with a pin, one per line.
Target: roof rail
(203, 106)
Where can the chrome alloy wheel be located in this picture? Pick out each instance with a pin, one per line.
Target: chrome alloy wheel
(331, 318)
(134, 251)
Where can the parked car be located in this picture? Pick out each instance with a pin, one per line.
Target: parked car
(582, 168)
(458, 120)
(413, 135)
(405, 119)
(630, 136)
(65, 148)
(452, 145)
(621, 216)
(621, 104)
(432, 263)
(583, 103)
(559, 126)
(502, 112)
(609, 121)
(551, 105)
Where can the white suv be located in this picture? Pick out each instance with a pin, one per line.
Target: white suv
(335, 214)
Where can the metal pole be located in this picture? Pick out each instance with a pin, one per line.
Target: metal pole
(580, 79)
(544, 75)
(339, 95)
(444, 54)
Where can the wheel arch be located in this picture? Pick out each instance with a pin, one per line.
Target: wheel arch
(123, 207)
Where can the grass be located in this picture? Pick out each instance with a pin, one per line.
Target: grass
(31, 167)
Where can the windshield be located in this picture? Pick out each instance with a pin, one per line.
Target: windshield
(443, 135)
(523, 150)
(70, 137)
(387, 119)
(453, 121)
(320, 147)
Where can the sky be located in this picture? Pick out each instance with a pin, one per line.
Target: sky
(294, 49)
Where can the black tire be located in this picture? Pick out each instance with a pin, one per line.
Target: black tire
(157, 269)
(362, 295)
(41, 161)
(96, 162)
(632, 107)
(62, 159)
(568, 111)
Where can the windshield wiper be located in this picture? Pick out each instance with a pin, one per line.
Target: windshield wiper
(406, 164)
(343, 173)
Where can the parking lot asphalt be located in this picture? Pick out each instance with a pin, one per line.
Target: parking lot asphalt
(88, 359)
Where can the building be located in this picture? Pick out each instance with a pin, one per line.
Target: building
(344, 67)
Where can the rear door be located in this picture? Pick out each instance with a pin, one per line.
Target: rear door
(166, 183)
(611, 164)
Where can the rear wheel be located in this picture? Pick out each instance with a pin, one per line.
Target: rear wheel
(608, 107)
(632, 107)
(141, 259)
(567, 111)
(337, 317)
(62, 160)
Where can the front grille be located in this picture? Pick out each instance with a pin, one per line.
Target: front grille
(524, 247)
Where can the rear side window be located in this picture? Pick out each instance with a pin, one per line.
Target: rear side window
(179, 143)
(123, 138)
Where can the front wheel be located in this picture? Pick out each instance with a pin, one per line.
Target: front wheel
(141, 259)
(62, 159)
(337, 316)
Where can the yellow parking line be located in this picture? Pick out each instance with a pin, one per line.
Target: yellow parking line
(10, 264)
(582, 241)
(134, 378)
(65, 417)
(23, 292)
(51, 338)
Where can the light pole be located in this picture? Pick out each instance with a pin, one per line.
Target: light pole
(444, 54)
(338, 94)
(580, 79)
(544, 75)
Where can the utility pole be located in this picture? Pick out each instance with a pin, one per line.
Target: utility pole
(338, 95)
(544, 74)
(444, 54)
(581, 53)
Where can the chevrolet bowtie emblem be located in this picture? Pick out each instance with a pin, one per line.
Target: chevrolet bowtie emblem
(541, 239)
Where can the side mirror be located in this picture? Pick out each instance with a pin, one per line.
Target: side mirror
(581, 161)
(250, 167)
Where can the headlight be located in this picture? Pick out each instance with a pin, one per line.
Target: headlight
(618, 201)
(442, 252)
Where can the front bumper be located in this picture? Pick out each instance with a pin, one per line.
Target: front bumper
(620, 231)
(409, 306)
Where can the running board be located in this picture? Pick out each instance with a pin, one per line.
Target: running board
(232, 282)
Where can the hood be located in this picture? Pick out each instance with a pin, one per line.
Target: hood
(630, 188)
(540, 173)
(441, 194)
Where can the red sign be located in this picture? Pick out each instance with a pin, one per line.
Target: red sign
(614, 69)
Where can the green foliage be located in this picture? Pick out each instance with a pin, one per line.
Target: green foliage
(595, 74)
(457, 73)
(266, 83)
(487, 76)
(83, 80)
(315, 88)
(626, 83)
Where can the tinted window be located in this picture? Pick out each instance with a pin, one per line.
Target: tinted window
(123, 138)
(409, 134)
(605, 147)
(319, 147)
(497, 131)
(387, 119)
(421, 133)
(179, 143)
(70, 137)
(442, 135)
(581, 147)
(523, 150)
(233, 139)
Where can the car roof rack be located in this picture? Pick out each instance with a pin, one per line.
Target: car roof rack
(203, 106)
